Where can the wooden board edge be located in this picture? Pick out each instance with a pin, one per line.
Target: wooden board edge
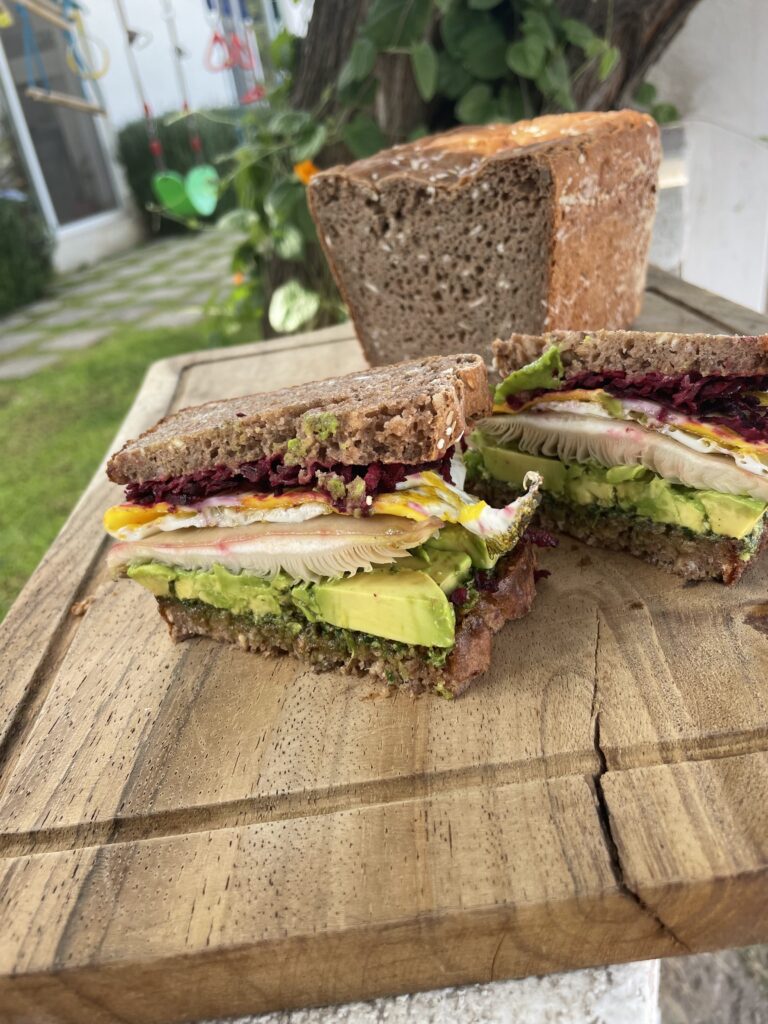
(399, 958)
(728, 316)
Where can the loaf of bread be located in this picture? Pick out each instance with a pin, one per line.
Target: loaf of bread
(442, 244)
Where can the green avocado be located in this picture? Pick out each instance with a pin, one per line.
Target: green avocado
(632, 489)
(587, 488)
(402, 605)
(733, 515)
(155, 577)
(447, 568)
(510, 466)
(240, 594)
(455, 538)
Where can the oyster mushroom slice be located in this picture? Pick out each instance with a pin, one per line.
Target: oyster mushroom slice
(572, 438)
(326, 547)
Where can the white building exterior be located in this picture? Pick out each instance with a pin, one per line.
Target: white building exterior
(69, 156)
(716, 73)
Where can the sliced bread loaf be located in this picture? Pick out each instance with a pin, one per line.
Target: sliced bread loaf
(638, 352)
(444, 243)
(411, 413)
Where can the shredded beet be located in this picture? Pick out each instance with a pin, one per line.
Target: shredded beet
(459, 595)
(272, 476)
(720, 400)
(540, 538)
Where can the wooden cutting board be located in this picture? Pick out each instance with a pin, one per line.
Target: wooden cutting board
(191, 831)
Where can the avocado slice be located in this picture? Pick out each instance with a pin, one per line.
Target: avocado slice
(732, 515)
(454, 538)
(155, 577)
(405, 605)
(240, 593)
(447, 568)
(510, 467)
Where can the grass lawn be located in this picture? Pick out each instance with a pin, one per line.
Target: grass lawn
(55, 427)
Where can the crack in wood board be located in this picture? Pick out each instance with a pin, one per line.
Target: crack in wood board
(604, 818)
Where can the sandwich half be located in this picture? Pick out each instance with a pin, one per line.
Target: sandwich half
(655, 444)
(329, 521)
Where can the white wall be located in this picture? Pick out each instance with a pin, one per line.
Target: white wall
(206, 88)
(716, 73)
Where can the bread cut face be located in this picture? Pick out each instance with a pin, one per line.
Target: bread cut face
(442, 244)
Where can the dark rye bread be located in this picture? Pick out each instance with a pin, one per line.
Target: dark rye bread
(397, 664)
(639, 352)
(441, 244)
(670, 547)
(412, 413)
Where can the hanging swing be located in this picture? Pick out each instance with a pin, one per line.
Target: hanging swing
(184, 197)
(201, 184)
(38, 87)
(236, 50)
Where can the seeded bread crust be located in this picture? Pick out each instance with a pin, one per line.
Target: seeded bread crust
(441, 244)
(411, 412)
(470, 657)
(639, 352)
(670, 547)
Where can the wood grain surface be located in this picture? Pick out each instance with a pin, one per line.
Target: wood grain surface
(192, 831)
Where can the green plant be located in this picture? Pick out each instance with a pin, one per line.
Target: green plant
(25, 254)
(476, 60)
(645, 97)
(218, 133)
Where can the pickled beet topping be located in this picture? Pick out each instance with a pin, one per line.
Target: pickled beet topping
(723, 401)
(271, 476)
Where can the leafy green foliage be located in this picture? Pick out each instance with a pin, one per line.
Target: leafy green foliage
(663, 113)
(25, 254)
(292, 306)
(424, 61)
(478, 60)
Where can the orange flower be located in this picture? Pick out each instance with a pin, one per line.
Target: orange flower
(238, 278)
(304, 171)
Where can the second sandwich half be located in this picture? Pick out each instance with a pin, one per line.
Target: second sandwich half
(329, 521)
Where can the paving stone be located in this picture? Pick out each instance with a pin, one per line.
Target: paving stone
(20, 319)
(15, 369)
(175, 317)
(167, 292)
(125, 314)
(87, 289)
(66, 317)
(14, 340)
(73, 340)
(42, 308)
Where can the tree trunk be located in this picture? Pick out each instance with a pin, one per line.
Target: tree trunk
(641, 29)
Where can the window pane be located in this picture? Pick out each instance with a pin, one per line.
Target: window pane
(66, 141)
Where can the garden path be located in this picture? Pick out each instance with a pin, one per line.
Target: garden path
(160, 284)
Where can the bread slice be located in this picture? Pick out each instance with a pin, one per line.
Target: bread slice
(409, 667)
(412, 413)
(639, 352)
(694, 557)
(441, 244)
